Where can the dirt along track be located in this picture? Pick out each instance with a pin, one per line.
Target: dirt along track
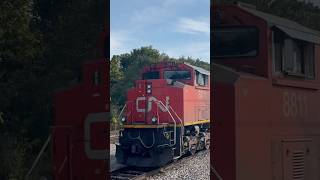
(114, 136)
(113, 163)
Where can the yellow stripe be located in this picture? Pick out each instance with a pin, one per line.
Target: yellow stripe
(198, 122)
(163, 125)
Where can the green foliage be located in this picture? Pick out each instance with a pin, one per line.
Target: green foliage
(13, 156)
(115, 72)
(18, 44)
(304, 13)
(42, 46)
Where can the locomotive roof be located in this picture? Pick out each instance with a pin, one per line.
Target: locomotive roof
(291, 28)
(199, 69)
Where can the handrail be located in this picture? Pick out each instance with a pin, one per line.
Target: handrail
(125, 105)
(178, 118)
(215, 172)
(181, 132)
(175, 123)
(175, 126)
(35, 162)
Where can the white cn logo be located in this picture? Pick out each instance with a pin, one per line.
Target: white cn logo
(163, 107)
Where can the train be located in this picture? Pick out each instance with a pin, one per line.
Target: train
(166, 115)
(265, 96)
(80, 133)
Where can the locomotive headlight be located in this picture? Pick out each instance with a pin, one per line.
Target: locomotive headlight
(149, 88)
(123, 119)
(154, 120)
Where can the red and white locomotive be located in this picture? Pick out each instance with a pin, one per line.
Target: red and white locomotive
(167, 115)
(80, 148)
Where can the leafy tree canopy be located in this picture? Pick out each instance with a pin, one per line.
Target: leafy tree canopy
(302, 12)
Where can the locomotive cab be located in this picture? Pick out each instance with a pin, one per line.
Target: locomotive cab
(169, 103)
(171, 72)
(81, 125)
(250, 41)
(266, 94)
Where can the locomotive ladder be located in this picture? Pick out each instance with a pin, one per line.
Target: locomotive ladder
(122, 110)
(175, 126)
(36, 161)
(181, 132)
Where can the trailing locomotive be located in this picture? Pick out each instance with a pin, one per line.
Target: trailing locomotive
(167, 115)
(266, 96)
(80, 148)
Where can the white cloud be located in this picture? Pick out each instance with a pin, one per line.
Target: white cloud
(192, 26)
(163, 16)
(180, 3)
(161, 11)
(195, 50)
(115, 42)
(150, 15)
(118, 42)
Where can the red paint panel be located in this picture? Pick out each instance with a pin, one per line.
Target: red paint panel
(223, 131)
(98, 134)
(72, 109)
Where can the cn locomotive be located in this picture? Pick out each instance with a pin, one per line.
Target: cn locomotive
(266, 96)
(166, 116)
(79, 145)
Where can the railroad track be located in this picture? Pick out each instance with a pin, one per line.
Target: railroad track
(134, 173)
(130, 173)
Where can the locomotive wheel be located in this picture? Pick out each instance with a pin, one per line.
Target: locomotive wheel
(207, 144)
(193, 149)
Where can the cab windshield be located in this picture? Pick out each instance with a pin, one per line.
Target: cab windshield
(235, 42)
(177, 75)
(151, 75)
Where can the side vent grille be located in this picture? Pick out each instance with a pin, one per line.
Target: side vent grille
(297, 159)
(298, 165)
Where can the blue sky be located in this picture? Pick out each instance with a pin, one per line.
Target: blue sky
(175, 27)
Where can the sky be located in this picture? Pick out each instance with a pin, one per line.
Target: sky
(175, 27)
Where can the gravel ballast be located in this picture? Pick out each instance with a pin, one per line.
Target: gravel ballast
(193, 168)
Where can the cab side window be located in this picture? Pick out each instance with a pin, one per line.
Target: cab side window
(293, 57)
(151, 75)
(201, 79)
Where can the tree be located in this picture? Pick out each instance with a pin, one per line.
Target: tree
(42, 46)
(304, 13)
(115, 70)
